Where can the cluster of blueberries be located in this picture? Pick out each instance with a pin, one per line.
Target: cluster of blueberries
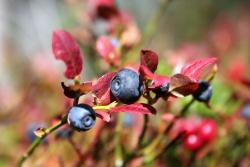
(127, 87)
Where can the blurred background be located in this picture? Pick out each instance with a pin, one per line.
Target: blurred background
(30, 91)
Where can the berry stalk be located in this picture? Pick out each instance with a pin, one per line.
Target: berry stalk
(39, 140)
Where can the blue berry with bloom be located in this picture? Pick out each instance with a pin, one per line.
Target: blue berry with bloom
(126, 86)
(204, 92)
(245, 112)
(81, 117)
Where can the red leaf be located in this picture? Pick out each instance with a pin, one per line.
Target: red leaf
(105, 9)
(145, 72)
(149, 59)
(102, 114)
(194, 69)
(106, 98)
(65, 48)
(157, 80)
(182, 85)
(73, 91)
(101, 88)
(246, 82)
(135, 108)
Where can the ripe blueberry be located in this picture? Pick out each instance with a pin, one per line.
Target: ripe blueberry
(126, 86)
(128, 120)
(81, 117)
(204, 92)
(163, 89)
(245, 112)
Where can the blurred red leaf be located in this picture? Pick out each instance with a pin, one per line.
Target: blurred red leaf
(101, 88)
(65, 48)
(73, 91)
(246, 82)
(135, 108)
(236, 69)
(149, 59)
(195, 68)
(182, 84)
(105, 9)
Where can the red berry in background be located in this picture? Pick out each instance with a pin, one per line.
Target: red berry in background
(106, 48)
(192, 141)
(189, 126)
(208, 129)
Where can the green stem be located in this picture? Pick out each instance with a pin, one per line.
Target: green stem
(149, 30)
(150, 148)
(39, 140)
(159, 152)
(143, 132)
(191, 159)
(153, 24)
(186, 107)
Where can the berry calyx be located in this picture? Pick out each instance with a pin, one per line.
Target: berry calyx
(126, 86)
(81, 117)
(204, 92)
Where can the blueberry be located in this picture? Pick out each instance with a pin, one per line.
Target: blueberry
(126, 86)
(245, 112)
(81, 117)
(128, 120)
(162, 89)
(204, 91)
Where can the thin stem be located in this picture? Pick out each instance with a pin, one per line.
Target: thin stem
(107, 107)
(191, 159)
(150, 28)
(76, 100)
(143, 132)
(101, 107)
(165, 148)
(186, 107)
(158, 139)
(39, 140)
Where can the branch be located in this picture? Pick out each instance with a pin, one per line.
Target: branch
(39, 140)
(143, 132)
